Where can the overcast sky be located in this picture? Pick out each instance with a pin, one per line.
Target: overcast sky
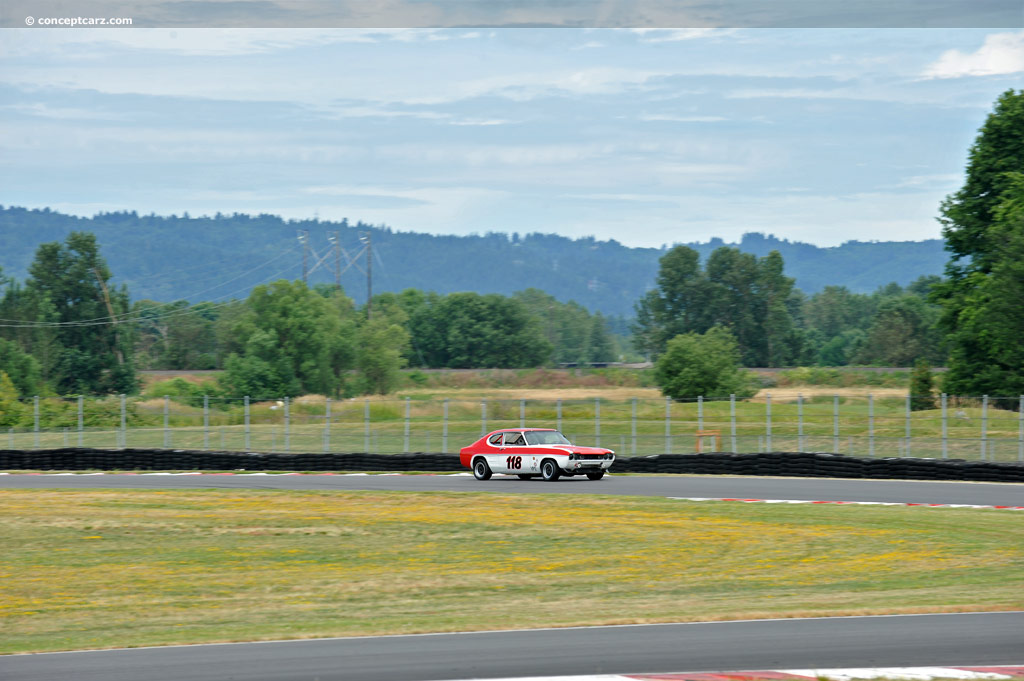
(648, 137)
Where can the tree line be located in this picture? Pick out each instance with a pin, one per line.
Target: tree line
(66, 331)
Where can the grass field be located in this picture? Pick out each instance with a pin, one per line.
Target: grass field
(102, 568)
(378, 425)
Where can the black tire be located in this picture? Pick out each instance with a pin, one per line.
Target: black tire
(549, 470)
(595, 475)
(481, 471)
(524, 476)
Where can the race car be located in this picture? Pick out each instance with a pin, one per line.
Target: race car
(534, 452)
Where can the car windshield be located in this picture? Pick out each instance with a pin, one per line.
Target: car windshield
(546, 437)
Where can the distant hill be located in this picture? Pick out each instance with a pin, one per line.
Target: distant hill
(213, 258)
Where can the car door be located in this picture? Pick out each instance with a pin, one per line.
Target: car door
(515, 448)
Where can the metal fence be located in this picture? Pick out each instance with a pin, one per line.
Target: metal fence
(981, 428)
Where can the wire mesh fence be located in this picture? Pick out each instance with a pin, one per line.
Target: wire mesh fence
(974, 428)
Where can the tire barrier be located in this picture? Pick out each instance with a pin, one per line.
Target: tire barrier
(788, 464)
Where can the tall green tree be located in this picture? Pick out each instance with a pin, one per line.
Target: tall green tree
(983, 225)
(750, 296)
(91, 349)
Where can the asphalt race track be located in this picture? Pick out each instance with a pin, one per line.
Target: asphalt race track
(813, 489)
(931, 640)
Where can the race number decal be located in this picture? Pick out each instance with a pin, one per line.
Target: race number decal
(514, 462)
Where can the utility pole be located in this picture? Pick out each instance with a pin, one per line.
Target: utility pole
(366, 238)
(304, 240)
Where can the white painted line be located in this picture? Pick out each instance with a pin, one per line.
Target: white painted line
(909, 673)
(848, 503)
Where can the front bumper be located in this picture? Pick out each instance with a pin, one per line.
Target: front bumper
(584, 465)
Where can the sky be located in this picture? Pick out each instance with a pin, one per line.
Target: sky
(649, 137)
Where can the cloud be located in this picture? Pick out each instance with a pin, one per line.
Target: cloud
(672, 35)
(1001, 54)
(682, 119)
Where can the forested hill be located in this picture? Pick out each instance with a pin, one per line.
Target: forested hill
(212, 258)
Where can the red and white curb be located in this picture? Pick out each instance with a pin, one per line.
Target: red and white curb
(845, 503)
(908, 673)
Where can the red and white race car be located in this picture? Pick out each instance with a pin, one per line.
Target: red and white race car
(532, 452)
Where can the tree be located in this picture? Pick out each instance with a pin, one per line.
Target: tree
(599, 343)
(379, 355)
(69, 284)
(675, 306)
(749, 295)
(470, 331)
(11, 409)
(290, 340)
(921, 392)
(902, 331)
(983, 225)
(21, 368)
(706, 365)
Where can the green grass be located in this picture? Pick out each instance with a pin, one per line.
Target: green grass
(111, 568)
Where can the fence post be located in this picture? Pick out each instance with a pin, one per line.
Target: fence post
(558, 413)
(906, 448)
(246, 403)
(768, 421)
(405, 442)
(35, 421)
(483, 418)
(1020, 430)
(522, 413)
(632, 428)
(327, 423)
(700, 412)
(167, 416)
(668, 425)
(366, 426)
(206, 421)
(81, 420)
(287, 424)
(800, 422)
(597, 421)
(835, 424)
(871, 425)
(984, 427)
(444, 429)
(945, 427)
(732, 420)
(124, 423)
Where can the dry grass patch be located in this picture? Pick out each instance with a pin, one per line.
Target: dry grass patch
(102, 568)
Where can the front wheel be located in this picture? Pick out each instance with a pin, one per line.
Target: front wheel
(549, 471)
(481, 471)
(595, 475)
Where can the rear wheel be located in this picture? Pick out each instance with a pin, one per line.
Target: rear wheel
(595, 475)
(550, 471)
(481, 471)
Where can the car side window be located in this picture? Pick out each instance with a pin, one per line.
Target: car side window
(514, 439)
(495, 439)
